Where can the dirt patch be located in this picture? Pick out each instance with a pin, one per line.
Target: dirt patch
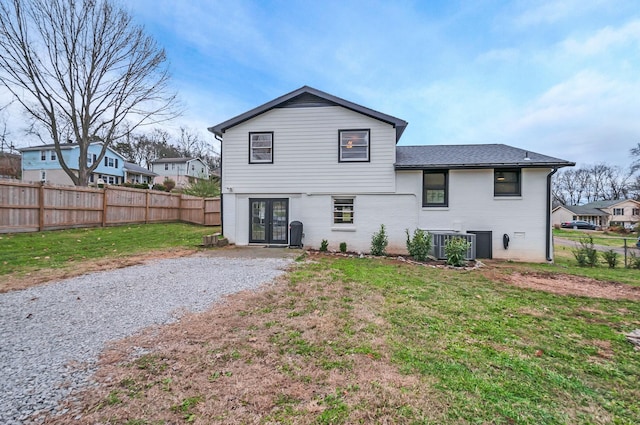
(288, 351)
(13, 282)
(563, 284)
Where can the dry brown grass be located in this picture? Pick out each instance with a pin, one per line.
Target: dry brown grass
(289, 351)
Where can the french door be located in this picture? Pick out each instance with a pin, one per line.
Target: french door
(268, 221)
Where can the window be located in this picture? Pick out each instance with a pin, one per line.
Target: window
(635, 211)
(261, 148)
(435, 188)
(110, 162)
(173, 167)
(43, 155)
(354, 145)
(53, 155)
(618, 211)
(506, 182)
(343, 210)
(91, 158)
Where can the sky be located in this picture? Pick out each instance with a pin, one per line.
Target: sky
(558, 77)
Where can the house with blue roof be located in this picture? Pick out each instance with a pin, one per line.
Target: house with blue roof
(335, 167)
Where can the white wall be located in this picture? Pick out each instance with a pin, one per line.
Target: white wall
(306, 154)
(473, 207)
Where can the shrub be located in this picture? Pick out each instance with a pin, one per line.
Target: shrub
(203, 188)
(585, 254)
(419, 245)
(454, 249)
(634, 261)
(343, 247)
(169, 184)
(324, 245)
(379, 242)
(159, 187)
(611, 257)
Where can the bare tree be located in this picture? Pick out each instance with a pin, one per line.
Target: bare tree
(83, 71)
(635, 152)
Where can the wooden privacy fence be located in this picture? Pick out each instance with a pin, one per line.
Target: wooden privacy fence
(32, 207)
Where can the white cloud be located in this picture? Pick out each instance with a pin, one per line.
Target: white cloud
(605, 38)
(551, 11)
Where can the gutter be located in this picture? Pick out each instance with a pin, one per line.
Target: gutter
(548, 230)
(218, 138)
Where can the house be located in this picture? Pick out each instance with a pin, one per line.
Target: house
(181, 170)
(136, 174)
(618, 212)
(334, 166)
(9, 165)
(40, 163)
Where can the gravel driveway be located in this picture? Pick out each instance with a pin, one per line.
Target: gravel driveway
(51, 335)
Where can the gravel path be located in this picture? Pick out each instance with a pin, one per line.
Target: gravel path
(51, 335)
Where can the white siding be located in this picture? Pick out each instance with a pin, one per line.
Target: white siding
(306, 154)
(472, 207)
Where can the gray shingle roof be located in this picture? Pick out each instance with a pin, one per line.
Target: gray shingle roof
(585, 210)
(135, 168)
(604, 204)
(471, 156)
(309, 93)
(172, 160)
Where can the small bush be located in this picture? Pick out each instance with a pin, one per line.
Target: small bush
(343, 247)
(169, 184)
(633, 261)
(324, 245)
(455, 249)
(419, 245)
(585, 254)
(159, 187)
(379, 242)
(611, 257)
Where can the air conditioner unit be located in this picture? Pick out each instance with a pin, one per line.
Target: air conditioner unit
(439, 241)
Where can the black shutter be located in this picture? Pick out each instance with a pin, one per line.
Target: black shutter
(105, 161)
(116, 162)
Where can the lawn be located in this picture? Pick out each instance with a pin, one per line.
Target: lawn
(599, 238)
(23, 253)
(350, 340)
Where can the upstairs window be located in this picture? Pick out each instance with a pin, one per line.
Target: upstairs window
(43, 155)
(435, 188)
(635, 211)
(506, 182)
(53, 155)
(343, 210)
(354, 146)
(618, 211)
(261, 148)
(166, 166)
(110, 162)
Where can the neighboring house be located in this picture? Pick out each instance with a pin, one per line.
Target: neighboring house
(618, 212)
(9, 165)
(333, 165)
(136, 174)
(181, 170)
(40, 163)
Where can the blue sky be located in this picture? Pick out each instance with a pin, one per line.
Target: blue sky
(558, 77)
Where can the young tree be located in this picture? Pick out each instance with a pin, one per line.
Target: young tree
(82, 71)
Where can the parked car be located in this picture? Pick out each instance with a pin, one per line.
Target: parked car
(578, 224)
(638, 243)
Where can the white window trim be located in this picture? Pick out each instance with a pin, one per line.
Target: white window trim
(335, 212)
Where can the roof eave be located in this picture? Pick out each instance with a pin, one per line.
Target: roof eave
(527, 164)
(398, 124)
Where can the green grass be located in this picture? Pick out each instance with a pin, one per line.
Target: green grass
(25, 252)
(598, 237)
(566, 263)
(500, 354)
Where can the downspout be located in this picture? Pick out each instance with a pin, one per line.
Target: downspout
(548, 231)
(221, 186)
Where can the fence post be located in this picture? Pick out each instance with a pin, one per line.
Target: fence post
(41, 205)
(625, 253)
(180, 208)
(146, 207)
(104, 206)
